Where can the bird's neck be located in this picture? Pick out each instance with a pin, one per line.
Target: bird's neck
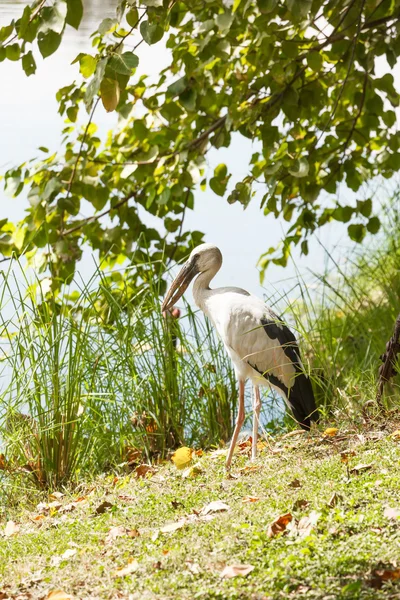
(201, 286)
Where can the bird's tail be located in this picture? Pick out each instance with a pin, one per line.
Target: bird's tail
(302, 402)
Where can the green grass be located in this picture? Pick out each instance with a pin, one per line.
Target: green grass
(338, 559)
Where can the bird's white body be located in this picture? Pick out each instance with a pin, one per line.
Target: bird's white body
(261, 346)
(237, 317)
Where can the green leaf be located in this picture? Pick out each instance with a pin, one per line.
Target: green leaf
(107, 25)
(357, 232)
(71, 205)
(267, 6)
(299, 168)
(53, 18)
(152, 3)
(132, 17)
(236, 5)
(110, 93)
(364, 207)
(72, 113)
(6, 31)
(28, 63)
(177, 87)
(241, 193)
(315, 61)
(13, 52)
(188, 99)
(373, 225)
(24, 22)
(3, 54)
(74, 13)
(164, 197)
(94, 85)
(151, 33)
(123, 63)
(87, 65)
(48, 43)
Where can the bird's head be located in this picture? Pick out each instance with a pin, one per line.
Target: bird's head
(206, 257)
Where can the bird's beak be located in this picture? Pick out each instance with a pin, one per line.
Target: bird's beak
(180, 284)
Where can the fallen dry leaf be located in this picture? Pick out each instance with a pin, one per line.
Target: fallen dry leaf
(391, 513)
(193, 567)
(37, 518)
(334, 500)
(218, 453)
(361, 467)
(3, 464)
(247, 499)
(58, 595)
(130, 568)
(56, 496)
(344, 456)
(249, 469)
(103, 507)
(133, 533)
(177, 504)
(192, 471)
(11, 529)
(170, 527)
(236, 571)
(380, 575)
(295, 483)
(182, 457)
(301, 504)
(144, 471)
(331, 431)
(307, 524)
(212, 507)
(114, 533)
(396, 435)
(279, 525)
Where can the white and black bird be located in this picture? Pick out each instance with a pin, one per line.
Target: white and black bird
(261, 346)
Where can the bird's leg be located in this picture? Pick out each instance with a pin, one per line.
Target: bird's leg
(256, 419)
(238, 426)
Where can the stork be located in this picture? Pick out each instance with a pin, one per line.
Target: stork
(262, 348)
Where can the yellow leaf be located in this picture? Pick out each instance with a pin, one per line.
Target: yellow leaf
(110, 93)
(182, 457)
(331, 431)
(131, 567)
(58, 595)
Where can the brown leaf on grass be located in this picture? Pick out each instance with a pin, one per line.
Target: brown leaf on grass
(56, 496)
(381, 575)
(395, 435)
(11, 529)
(361, 467)
(236, 571)
(218, 453)
(279, 525)
(248, 499)
(103, 507)
(295, 483)
(144, 471)
(114, 533)
(391, 513)
(330, 432)
(48, 507)
(301, 504)
(67, 508)
(249, 469)
(130, 568)
(212, 507)
(157, 565)
(37, 518)
(58, 595)
(133, 533)
(3, 463)
(307, 524)
(170, 527)
(81, 500)
(176, 504)
(334, 500)
(344, 456)
(244, 447)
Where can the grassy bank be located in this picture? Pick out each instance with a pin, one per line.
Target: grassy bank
(342, 493)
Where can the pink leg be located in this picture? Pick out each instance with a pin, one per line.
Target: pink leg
(256, 420)
(238, 426)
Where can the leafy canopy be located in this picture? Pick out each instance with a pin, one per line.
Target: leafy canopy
(298, 78)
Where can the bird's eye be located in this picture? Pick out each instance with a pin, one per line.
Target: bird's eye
(196, 256)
